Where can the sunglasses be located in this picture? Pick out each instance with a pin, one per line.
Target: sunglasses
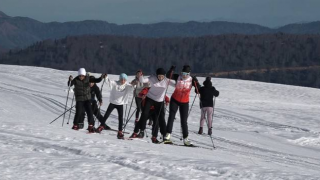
(185, 74)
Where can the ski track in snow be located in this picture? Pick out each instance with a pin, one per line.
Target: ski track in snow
(251, 142)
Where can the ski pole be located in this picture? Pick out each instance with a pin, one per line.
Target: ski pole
(192, 104)
(70, 111)
(125, 114)
(65, 108)
(134, 95)
(104, 80)
(146, 132)
(61, 114)
(124, 127)
(204, 114)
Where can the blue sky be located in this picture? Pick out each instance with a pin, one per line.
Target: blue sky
(271, 13)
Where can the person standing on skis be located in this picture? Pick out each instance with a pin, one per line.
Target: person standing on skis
(118, 97)
(153, 116)
(180, 100)
(154, 97)
(139, 86)
(207, 93)
(83, 98)
(95, 92)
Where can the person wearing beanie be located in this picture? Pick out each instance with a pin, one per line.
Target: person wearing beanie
(83, 98)
(153, 116)
(180, 100)
(138, 88)
(155, 97)
(95, 92)
(207, 93)
(118, 97)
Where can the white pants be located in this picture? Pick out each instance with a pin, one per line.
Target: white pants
(206, 111)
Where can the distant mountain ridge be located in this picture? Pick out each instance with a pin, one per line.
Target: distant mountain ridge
(20, 32)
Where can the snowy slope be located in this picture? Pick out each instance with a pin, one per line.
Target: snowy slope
(261, 130)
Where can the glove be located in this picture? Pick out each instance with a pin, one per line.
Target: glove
(70, 78)
(194, 79)
(173, 67)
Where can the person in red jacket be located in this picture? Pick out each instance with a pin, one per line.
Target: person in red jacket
(153, 116)
(180, 100)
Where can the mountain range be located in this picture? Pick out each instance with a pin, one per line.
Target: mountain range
(20, 32)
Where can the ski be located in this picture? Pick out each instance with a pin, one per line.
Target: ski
(115, 131)
(191, 146)
(135, 139)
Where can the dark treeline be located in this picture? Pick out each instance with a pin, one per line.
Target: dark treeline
(207, 54)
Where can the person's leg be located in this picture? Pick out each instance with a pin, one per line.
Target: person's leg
(95, 110)
(145, 114)
(81, 119)
(120, 116)
(87, 107)
(155, 126)
(107, 114)
(203, 117)
(161, 120)
(173, 108)
(209, 115)
(79, 112)
(138, 104)
(183, 109)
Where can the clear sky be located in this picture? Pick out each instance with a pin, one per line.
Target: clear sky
(271, 13)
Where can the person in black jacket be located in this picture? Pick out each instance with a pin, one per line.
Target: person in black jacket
(207, 92)
(95, 92)
(83, 97)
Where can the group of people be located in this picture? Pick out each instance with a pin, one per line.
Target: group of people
(151, 100)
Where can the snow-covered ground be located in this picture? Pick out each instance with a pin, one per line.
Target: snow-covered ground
(261, 131)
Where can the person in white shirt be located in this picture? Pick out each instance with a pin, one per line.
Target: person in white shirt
(118, 97)
(155, 97)
(138, 88)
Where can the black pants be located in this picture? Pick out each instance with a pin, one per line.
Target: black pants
(95, 110)
(155, 126)
(138, 104)
(81, 107)
(159, 112)
(111, 107)
(183, 109)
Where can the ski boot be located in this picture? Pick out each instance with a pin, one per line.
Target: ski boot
(155, 140)
(99, 129)
(186, 142)
(120, 135)
(166, 139)
(75, 127)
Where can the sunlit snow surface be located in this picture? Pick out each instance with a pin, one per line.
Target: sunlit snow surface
(261, 131)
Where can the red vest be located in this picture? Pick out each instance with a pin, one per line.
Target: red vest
(182, 91)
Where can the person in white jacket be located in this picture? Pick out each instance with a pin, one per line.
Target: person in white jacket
(120, 91)
(155, 97)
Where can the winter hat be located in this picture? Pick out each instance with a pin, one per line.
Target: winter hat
(82, 71)
(186, 68)
(123, 76)
(160, 71)
(207, 82)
